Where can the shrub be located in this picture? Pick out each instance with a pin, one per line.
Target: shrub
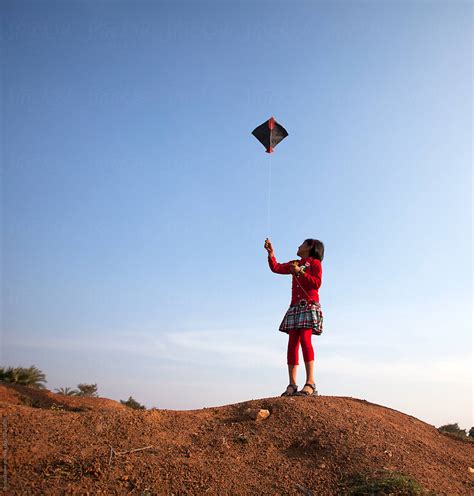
(30, 376)
(67, 391)
(133, 404)
(453, 429)
(385, 482)
(87, 390)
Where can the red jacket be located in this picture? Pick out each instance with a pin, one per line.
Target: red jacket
(310, 280)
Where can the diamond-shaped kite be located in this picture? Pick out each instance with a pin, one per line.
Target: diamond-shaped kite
(270, 133)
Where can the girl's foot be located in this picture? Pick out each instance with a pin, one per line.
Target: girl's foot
(308, 390)
(290, 390)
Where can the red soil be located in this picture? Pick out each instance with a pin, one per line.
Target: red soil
(307, 446)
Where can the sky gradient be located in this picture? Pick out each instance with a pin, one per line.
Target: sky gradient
(135, 201)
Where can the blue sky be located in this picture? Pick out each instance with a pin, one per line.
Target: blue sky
(135, 201)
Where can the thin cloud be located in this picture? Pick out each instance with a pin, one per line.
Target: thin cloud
(226, 345)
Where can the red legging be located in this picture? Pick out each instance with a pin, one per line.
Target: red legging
(293, 345)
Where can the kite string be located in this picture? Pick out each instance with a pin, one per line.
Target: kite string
(268, 195)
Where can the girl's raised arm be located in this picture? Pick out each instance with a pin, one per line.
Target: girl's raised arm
(278, 268)
(274, 265)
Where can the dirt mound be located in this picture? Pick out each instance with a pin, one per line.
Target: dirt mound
(308, 445)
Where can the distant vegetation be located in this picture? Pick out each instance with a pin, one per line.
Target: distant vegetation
(33, 377)
(87, 390)
(455, 430)
(30, 376)
(82, 390)
(133, 404)
(67, 391)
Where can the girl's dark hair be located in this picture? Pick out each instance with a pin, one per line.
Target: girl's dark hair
(317, 248)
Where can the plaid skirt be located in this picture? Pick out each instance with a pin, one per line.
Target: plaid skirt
(302, 316)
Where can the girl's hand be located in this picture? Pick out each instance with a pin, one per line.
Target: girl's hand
(295, 268)
(268, 246)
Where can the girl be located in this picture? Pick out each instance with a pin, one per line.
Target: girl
(304, 317)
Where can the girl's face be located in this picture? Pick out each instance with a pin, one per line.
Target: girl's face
(303, 250)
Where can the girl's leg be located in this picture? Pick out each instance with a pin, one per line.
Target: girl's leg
(308, 355)
(292, 354)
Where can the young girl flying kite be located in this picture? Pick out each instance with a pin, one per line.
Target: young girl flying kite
(304, 317)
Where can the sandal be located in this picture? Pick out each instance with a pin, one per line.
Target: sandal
(304, 393)
(295, 390)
